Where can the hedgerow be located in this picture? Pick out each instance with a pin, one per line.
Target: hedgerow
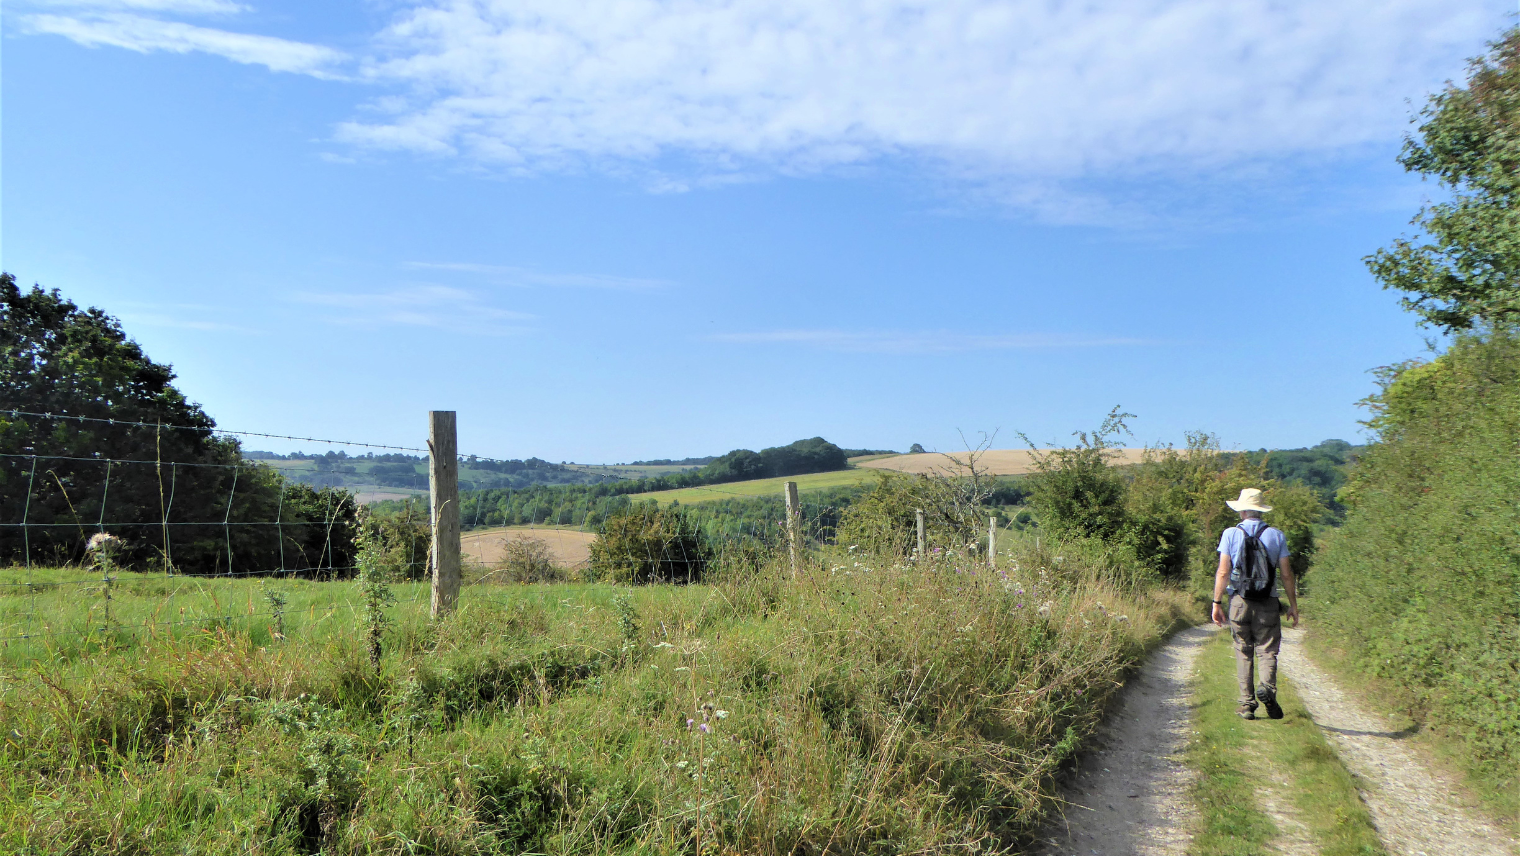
(1421, 585)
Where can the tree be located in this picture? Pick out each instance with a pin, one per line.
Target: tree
(1464, 270)
(1074, 490)
(135, 457)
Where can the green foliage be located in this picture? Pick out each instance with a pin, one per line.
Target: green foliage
(399, 538)
(815, 455)
(1169, 508)
(1074, 490)
(956, 505)
(650, 545)
(1419, 585)
(58, 358)
(1464, 270)
(1323, 467)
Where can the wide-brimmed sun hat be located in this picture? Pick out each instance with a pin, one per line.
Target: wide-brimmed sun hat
(1250, 500)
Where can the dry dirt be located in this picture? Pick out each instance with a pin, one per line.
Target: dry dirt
(570, 548)
(1415, 806)
(1130, 796)
(998, 462)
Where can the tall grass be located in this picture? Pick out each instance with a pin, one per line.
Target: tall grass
(869, 706)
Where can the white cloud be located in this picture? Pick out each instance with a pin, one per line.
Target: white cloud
(1081, 111)
(507, 275)
(925, 342)
(187, 7)
(143, 34)
(987, 89)
(433, 306)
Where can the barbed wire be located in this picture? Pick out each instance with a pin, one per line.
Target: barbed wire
(212, 430)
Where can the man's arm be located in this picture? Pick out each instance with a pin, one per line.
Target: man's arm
(1285, 568)
(1221, 579)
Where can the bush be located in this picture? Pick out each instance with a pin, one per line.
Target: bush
(646, 544)
(401, 541)
(1419, 585)
(1074, 490)
(954, 503)
(526, 559)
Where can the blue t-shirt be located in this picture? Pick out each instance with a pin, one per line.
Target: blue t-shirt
(1233, 544)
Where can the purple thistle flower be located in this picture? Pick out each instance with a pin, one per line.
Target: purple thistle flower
(704, 728)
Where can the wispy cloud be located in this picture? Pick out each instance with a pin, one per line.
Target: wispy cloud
(433, 306)
(924, 342)
(184, 7)
(96, 28)
(183, 317)
(507, 275)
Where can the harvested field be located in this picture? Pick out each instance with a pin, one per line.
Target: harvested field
(365, 495)
(570, 548)
(998, 462)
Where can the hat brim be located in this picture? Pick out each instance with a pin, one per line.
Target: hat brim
(1247, 506)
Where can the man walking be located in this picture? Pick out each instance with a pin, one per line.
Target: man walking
(1253, 572)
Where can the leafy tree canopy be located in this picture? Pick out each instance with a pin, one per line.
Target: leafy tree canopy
(177, 495)
(1463, 270)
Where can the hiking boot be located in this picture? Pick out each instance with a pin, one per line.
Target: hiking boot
(1246, 712)
(1268, 698)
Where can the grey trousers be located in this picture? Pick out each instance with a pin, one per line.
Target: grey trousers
(1256, 628)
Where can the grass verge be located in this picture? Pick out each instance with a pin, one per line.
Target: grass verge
(1236, 758)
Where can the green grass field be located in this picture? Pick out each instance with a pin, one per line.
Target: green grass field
(864, 707)
(761, 487)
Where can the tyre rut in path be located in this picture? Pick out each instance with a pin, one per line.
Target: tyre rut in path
(1413, 806)
(1130, 796)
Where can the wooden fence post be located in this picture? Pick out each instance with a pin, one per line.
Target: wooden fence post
(443, 485)
(794, 527)
(992, 543)
(922, 546)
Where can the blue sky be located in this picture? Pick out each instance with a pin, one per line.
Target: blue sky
(630, 229)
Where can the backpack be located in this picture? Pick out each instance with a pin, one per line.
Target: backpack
(1256, 575)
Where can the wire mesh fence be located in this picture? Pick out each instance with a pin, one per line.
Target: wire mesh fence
(200, 542)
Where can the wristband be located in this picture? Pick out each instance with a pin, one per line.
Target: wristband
(1219, 603)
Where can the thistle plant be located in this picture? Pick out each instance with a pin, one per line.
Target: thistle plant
(276, 600)
(709, 717)
(375, 592)
(102, 549)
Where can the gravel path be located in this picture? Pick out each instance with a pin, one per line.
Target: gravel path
(1414, 807)
(1131, 795)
